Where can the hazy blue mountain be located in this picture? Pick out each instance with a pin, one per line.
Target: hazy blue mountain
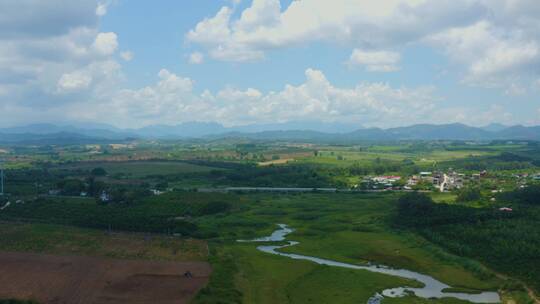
(519, 133)
(34, 129)
(322, 132)
(91, 130)
(494, 127)
(184, 130)
(370, 134)
(200, 129)
(294, 135)
(443, 132)
(324, 127)
(415, 132)
(61, 138)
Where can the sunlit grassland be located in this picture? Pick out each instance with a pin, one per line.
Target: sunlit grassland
(140, 168)
(55, 239)
(270, 279)
(346, 156)
(443, 197)
(351, 228)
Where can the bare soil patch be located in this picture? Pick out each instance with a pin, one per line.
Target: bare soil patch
(74, 279)
(276, 162)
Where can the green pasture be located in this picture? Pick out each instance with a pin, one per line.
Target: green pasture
(138, 169)
(344, 227)
(55, 239)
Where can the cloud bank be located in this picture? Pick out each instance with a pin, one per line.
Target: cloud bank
(497, 42)
(56, 63)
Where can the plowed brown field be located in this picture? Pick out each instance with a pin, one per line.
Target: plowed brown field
(84, 280)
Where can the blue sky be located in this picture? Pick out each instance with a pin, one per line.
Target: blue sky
(387, 63)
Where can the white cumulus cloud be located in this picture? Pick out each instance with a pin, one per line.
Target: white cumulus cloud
(172, 99)
(74, 81)
(127, 55)
(52, 54)
(196, 58)
(496, 42)
(492, 57)
(106, 43)
(376, 61)
(101, 9)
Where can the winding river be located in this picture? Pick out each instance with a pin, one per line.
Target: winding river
(432, 287)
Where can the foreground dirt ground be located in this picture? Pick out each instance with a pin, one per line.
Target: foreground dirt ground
(73, 279)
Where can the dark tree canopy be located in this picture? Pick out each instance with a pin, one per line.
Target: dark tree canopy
(469, 194)
(98, 172)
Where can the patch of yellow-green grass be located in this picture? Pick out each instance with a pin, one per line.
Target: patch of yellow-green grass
(19, 165)
(443, 197)
(54, 239)
(351, 228)
(445, 155)
(398, 251)
(462, 290)
(416, 300)
(266, 278)
(347, 158)
(387, 149)
(140, 168)
(516, 297)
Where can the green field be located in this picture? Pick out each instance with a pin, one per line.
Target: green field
(347, 228)
(351, 228)
(356, 228)
(139, 169)
(66, 240)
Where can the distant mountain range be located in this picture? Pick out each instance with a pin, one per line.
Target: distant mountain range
(294, 131)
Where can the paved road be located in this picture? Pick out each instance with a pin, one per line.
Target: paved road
(284, 189)
(444, 183)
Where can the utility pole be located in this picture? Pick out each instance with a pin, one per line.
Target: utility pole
(1, 178)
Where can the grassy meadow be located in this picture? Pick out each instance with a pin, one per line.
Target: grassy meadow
(184, 225)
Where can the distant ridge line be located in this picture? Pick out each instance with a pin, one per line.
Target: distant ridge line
(208, 131)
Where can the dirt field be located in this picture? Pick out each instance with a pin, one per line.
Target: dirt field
(83, 280)
(276, 162)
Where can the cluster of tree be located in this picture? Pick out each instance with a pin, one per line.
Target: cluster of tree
(98, 172)
(511, 157)
(123, 195)
(273, 176)
(168, 213)
(504, 161)
(506, 241)
(469, 194)
(14, 301)
(214, 207)
(32, 175)
(104, 193)
(529, 196)
(417, 210)
(380, 168)
(74, 187)
(139, 218)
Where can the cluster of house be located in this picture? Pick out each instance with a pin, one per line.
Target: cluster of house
(7, 204)
(104, 196)
(441, 180)
(535, 177)
(444, 181)
(387, 181)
